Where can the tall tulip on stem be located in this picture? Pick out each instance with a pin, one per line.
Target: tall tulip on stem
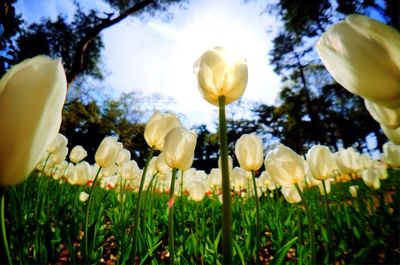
(178, 154)
(222, 76)
(158, 126)
(250, 153)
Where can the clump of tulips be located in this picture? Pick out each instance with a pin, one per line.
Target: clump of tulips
(143, 205)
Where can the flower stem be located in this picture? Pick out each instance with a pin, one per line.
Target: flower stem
(253, 174)
(3, 226)
(171, 218)
(87, 214)
(328, 224)
(226, 192)
(310, 225)
(138, 207)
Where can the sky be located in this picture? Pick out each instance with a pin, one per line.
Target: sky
(155, 56)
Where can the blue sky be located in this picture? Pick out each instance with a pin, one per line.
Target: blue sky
(157, 56)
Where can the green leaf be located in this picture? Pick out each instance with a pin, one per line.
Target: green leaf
(282, 252)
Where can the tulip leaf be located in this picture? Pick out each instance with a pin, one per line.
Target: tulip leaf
(282, 252)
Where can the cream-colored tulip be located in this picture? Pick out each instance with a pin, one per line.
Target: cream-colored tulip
(348, 160)
(392, 135)
(291, 194)
(371, 178)
(161, 166)
(81, 173)
(129, 170)
(32, 94)
(179, 147)
(388, 117)
(77, 154)
(363, 55)
(59, 142)
(238, 179)
(215, 178)
(197, 190)
(230, 163)
(267, 181)
(83, 196)
(249, 152)
(285, 166)
(391, 154)
(107, 152)
(124, 156)
(321, 162)
(221, 72)
(60, 155)
(353, 191)
(158, 127)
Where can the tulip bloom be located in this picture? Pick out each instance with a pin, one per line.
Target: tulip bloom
(391, 154)
(285, 166)
(124, 156)
(371, 178)
(221, 72)
(32, 94)
(59, 142)
(249, 152)
(388, 117)
(158, 127)
(197, 190)
(291, 194)
(348, 160)
(321, 162)
(77, 154)
(107, 152)
(392, 135)
(353, 191)
(179, 147)
(363, 55)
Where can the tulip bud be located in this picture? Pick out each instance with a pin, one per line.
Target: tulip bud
(124, 156)
(249, 152)
(59, 142)
(179, 147)
(267, 180)
(353, 191)
(130, 170)
(32, 94)
(291, 194)
(221, 72)
(391, 154)
(371, 178)
(60, 155)
(197, 190)
(321, 162)
(239, 180)
(158, 127)
(348, 160)
(392, 135)
(362, 55)
(215, 178)
(83, 196)
(107, 152)
(285, 166)
(77, 154)
(388, 117)
(81, 173)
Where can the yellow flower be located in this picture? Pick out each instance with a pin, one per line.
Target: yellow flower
(157, 128)
(32, 94)
(179, 147)
(221, 72)
(363, 55)
(249, 152)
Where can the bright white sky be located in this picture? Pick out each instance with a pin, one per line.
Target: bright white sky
(155, 56)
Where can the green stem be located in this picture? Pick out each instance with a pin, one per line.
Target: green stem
(171, 218)
(138, 208)
(328, 224)
(310, 225)
(196, 216)
(300, 226)
(88, 211)
(3, 226)
(253, 174)
(226, 189)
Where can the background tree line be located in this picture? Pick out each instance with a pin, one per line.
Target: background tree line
(311, 107)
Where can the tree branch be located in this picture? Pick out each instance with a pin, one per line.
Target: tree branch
(79, 57)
